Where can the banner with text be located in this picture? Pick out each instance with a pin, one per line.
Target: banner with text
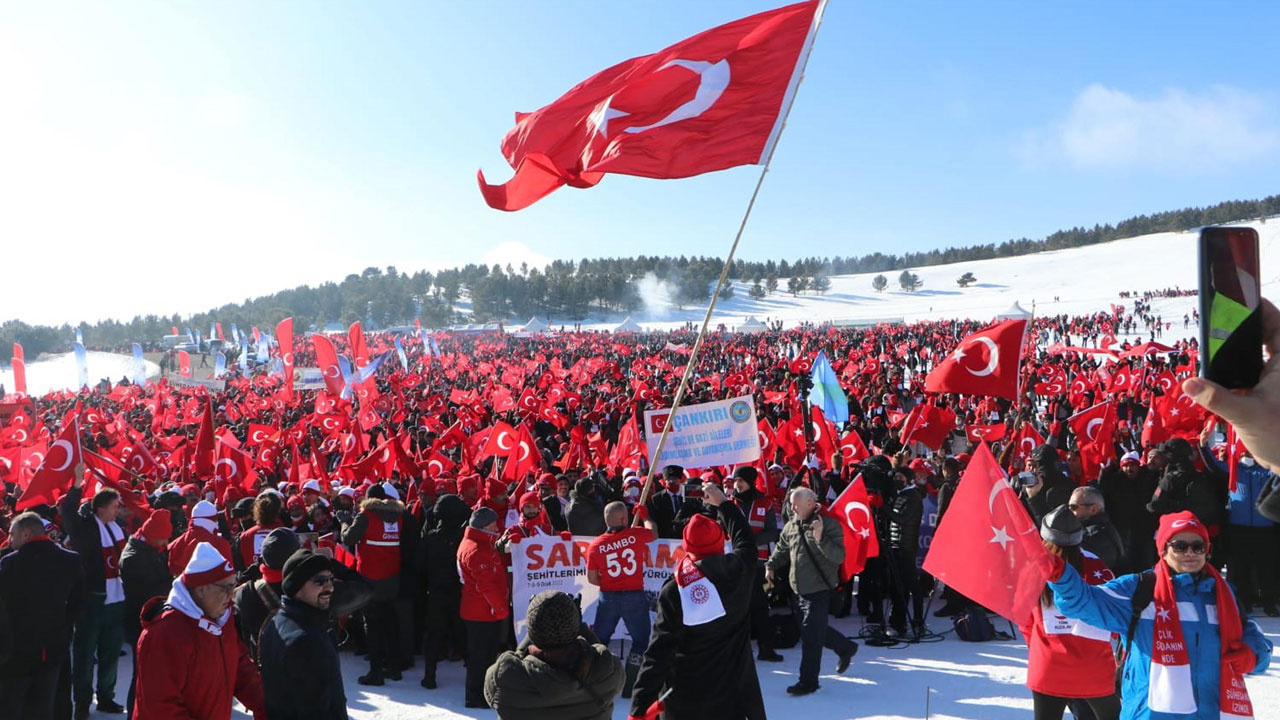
(548, 563)
(714, 433)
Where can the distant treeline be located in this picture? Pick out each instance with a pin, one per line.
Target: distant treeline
(566, 290)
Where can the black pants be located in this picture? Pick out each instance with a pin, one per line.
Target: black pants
(905, 589)
(29, 696)
(1252, 558)
(484, 639)
(382, 633)
(1048, 707)
(871, 590)
(133, 679)
(815, 634)
(760, 625)
(445, 634)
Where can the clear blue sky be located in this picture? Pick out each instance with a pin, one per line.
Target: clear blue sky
(213, 151)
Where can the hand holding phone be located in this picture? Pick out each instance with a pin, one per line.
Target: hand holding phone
(1230, 307)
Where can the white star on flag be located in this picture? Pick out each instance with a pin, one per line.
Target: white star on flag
(1164, 614)
(1002, 537)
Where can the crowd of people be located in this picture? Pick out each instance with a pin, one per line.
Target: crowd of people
(236, 541)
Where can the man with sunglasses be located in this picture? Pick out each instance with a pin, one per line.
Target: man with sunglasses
(1187, 641)
(191, 661)
(301, 674)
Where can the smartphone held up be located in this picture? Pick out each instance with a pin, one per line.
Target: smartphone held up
(1230, 307)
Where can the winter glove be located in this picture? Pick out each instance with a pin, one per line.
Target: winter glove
(1241, 658)
(641, 513)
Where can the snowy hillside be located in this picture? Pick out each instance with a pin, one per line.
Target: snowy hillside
(58, 372)
(1082, 280)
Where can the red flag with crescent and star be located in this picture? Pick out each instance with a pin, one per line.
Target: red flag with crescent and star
(327, 361)
(987, 547)
(709, 102)
(984, 363)
(852, 508)
(284, 335)
(56, 472)
(1095, 430)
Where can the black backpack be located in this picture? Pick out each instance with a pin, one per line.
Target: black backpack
(1143, 593)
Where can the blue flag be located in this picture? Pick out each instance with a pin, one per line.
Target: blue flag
(82, 365)
(826, 394)
(404, 360)
(139, 366)
(79, 336)
(345, 366)
(219, 364)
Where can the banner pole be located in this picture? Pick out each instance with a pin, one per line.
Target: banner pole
(728, 263)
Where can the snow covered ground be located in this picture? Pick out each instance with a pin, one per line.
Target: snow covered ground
(963, 681)
(58, 372)
(1076, 281)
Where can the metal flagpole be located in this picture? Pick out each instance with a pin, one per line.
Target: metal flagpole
(724, 272)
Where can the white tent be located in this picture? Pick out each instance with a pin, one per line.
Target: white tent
(1015, 312)
(751, 325)
(534, 326)
(628, 325)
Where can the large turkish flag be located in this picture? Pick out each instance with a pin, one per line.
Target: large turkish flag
(986, 547)
(710, 102)
(985, 363)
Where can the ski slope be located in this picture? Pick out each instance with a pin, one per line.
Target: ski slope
(58, 372)
(1075, 281)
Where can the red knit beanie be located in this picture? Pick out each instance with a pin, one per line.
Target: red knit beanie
(703, 536)
(157, 528)
(1181, 522)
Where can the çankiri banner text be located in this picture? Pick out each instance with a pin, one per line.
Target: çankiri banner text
(709, 102)
(714, 433)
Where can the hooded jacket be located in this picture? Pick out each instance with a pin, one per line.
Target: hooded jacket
(520, 685)
(388, 511)
(1109, 607)
(485, 595)
(585, 515)
(439, 546)
(191, 667)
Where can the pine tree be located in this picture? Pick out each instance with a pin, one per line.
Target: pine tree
(909, 281)
(820, 284)
(771, 283)
(966, 280)
(757, 291)
(879, 282)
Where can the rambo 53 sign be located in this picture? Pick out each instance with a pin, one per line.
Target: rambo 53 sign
(715, 433)
(548, 563)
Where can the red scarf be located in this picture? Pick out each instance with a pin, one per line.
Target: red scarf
(1170, 689)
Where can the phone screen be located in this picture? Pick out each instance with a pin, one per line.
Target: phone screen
(1230, 307)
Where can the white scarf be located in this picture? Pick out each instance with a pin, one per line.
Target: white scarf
(206, 523)
(699, 599)
(107, 536)
(180, 599)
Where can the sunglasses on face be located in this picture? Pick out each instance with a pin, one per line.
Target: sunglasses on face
(1196, 547)
(1076, 506)
(322, 580)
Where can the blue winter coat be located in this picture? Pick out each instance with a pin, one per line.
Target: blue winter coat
(1242, 505)
(1109, 606)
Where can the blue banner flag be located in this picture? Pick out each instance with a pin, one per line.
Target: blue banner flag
(139, 366)
(826, 393)
(82, 364)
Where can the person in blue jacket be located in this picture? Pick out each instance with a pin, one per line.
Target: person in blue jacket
(1253, 541)
(1206, 642)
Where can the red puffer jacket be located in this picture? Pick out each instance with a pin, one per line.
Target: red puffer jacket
(485, 595)
(187, 672)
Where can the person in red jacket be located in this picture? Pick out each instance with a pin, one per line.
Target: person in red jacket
(1069, 662)
(486, 601)
(203, 528)
(266, 517)
(191, 661)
